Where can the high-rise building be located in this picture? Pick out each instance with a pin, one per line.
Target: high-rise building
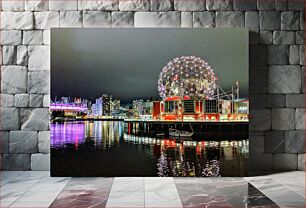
(148, 107)
(106, 104)
(115, 104)
(138, 107)
(99, 107)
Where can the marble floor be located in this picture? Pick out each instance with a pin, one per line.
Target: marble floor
(37, 189)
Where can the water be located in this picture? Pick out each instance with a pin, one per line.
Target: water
(102, 148)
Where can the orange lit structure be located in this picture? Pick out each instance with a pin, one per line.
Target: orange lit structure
(186, 109)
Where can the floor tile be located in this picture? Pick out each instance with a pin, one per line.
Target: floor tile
(80, 198)
(125, 199)
(128, 185)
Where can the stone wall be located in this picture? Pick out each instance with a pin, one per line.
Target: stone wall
(276, 67)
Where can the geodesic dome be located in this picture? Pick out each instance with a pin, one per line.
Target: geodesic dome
(187, 76)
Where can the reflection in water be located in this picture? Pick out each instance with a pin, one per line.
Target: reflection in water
(112, 152)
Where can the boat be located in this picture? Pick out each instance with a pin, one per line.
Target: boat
(160, 135)
(178, 133)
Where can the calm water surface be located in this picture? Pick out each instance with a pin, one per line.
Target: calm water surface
(102, 148)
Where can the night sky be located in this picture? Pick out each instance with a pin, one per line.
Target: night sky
(126, 62)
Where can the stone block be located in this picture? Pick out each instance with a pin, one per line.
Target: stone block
(32, 37)
(269, 20)
(203, 19)
(122, 19)
(296, 5)
(278, 54)
(9, 55)
(274, 142)
(24, 20)
(257, 101)
(285, 79)
(256, 144)
(302, 20)
(22, 55)
(283, 37)
(294, 54)
(266, 37)
(63, 5)
(222, 5)
(252, 21)
(290, 20)
(16, 162)
(245, 5)
(265, 5)
(258, 81)
(281, 5)
(299, 37)
(295, 100)
(157, 19)
(285, 162)
(40, 162)
(186, 19)
(71, 19)
(10, 119)
(283, 118)
(303, 79)
(38, 82)
(134, 5)
(36, 100)
(6, 100)
(46, 101)
(260, 120)
(301, 162)
(39, 58)
(258, 56)
(97, 19)
(35, 119)
(261, 161)
(37, 5)
(12, 5)
(98, 5)
(4, 141)
(46, 37)
(46, 20)
(229, 19)
(294, 141)
(23, 142)
(276, 100)
(44, 141)
(13, 79)
(10, 37)
(185, 6)
(302, 56)
(162, 5)
(21, 100)
(7, 22)
(300, 119)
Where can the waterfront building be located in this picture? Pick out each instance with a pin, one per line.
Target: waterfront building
(190, 91)
(106, 104)
(148, 107)
(115, 104)
(98, 106)
(138, 107)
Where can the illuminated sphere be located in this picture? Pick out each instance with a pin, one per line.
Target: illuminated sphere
(187, 76)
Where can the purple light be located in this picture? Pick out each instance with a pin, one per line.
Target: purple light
(67, 107)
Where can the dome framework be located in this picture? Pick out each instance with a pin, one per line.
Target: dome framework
(187, 76)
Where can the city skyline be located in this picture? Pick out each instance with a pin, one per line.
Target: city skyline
(94, 61)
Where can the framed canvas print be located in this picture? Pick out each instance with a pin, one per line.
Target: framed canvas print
(149, 102)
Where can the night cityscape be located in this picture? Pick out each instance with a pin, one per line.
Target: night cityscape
(189, 89)
(183, 116)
